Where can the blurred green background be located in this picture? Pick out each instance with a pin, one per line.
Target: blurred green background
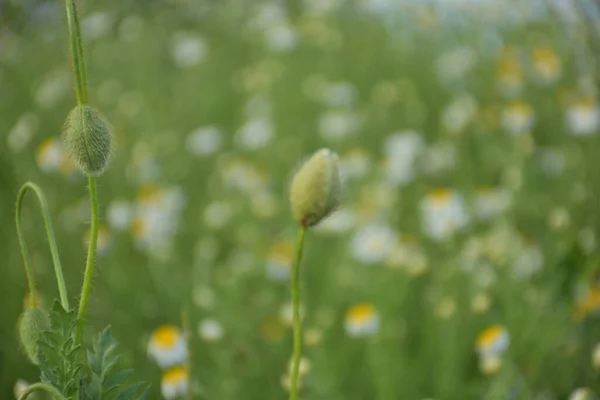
(468, 135)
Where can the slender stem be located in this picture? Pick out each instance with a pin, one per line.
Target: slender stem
(89, 265)
(42, 386)
(185, 323)
(60, 280)
(77, 52)
(297, 322)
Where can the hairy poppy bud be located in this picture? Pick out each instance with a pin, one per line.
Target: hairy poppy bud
(87, 137)
(315, 189)
(31, 325)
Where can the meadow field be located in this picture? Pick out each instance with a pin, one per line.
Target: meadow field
(461, 264)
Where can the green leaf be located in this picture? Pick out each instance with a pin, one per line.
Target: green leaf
(58, 354)
(105, 381)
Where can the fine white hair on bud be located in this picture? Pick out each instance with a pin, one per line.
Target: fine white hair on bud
(32, 323)
(315, 189)
(87, 137)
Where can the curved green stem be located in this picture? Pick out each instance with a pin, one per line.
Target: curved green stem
(297, 322)
(91, 258)
(62, 289)
(77, 52)
(42, 386)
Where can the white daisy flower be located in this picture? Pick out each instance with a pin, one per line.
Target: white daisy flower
(492, 341)
(582, 394)
(339, 221)
(453, 65)
(439, 158)
(459, 113)
(546, 64)
(518, 117)
(362, 320)
(529, 261)
(210, 330)
(96, 25)
(243, 175)
(22, 132)
(491, 202)
(174, 383)
(20, 387)
(204, 141)
(373, 243)
(188, 50)
(443, 213)
(279, 261)
(583, 118)
(286, 314)
(167, 347)
(281, 37)
(552, 162)
(119, 214)
(255, 134)
(402, 150)
(49, 155)
(354, 164)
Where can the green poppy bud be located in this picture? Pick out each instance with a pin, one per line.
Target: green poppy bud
(32, 323)
(315, 189)
(87, 136)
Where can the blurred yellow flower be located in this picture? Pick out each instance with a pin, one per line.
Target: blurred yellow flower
(362, 320)
(174, 383)
(167, 346)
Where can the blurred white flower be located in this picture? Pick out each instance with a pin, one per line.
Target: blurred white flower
(552, 161)
(339, 221)
(204, 141)
(518, 117)
(119, 214)
(354, 164)
(217, 214)
(402, 150)
(338, 124)
(167, 347)
(174, 383)
(583, 118)
(20, 387)
(255, 134)
(242, 175)
(188, 50)
(529, 261)
(373, 243)
(439, 158)
(339, 94)
(362, 320)
(131, 28)
(581, 394)
(546, 64)
(453, 65)
(286, 314)
(264, 204)
(281, 37)
(491, 202)
(279, 261)
(22, 132)
(96, 25)
(210, 330)
(492, 341)
(459, 113)
(443, 213)
(54, 87)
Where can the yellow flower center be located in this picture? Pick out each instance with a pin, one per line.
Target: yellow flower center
(360, 313)
(166, 336)
(175, 375)
(489, 335)
(441, 196)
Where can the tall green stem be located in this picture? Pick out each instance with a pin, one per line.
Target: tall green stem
(45, 387)
(91, 258)
(62, 288)
(77, 52)
(297, 322)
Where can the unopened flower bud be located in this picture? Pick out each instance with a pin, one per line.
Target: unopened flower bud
(87, 136)
(315, 189)
(32, 323)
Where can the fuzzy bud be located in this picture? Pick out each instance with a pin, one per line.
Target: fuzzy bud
(87, 136)
(316, 187)
(33, 322)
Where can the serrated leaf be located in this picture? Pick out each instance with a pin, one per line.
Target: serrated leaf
(105, 381)
(59, 364)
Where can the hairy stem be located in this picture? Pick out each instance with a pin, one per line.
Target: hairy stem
(91, 258)
(77, 52)
(297, 322)
(60, 280)
(45, 387)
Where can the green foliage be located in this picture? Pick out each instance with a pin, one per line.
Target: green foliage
(106, 382)
(59, 358)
